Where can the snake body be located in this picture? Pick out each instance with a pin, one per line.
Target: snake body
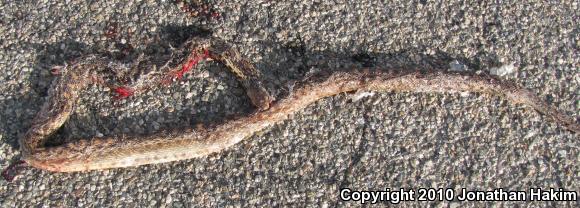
(127, 151)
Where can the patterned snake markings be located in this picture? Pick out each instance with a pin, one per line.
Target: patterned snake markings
(126, 151)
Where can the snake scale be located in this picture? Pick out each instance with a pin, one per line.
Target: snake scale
(126, 151)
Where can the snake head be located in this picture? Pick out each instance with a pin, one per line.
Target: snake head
(260, 97)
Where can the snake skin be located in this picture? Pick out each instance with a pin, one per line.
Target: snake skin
(166, 146)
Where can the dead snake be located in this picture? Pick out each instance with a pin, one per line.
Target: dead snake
(126, 151)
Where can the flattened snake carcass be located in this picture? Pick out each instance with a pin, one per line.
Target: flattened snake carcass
(124, 151)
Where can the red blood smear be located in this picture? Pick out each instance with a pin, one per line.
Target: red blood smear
(191, 63)
(186, 68)
(123, 92)
(205, 53)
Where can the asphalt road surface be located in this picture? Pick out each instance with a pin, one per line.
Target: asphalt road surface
(451, 141)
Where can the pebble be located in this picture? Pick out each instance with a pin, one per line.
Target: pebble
(503, 70)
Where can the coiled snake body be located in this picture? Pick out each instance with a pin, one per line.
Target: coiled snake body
(123, 151)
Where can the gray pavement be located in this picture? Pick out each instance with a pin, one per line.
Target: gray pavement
(387, 140)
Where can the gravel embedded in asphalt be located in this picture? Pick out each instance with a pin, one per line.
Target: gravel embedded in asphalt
(386, 140)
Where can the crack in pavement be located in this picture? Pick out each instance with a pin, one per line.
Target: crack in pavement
(356, 157)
